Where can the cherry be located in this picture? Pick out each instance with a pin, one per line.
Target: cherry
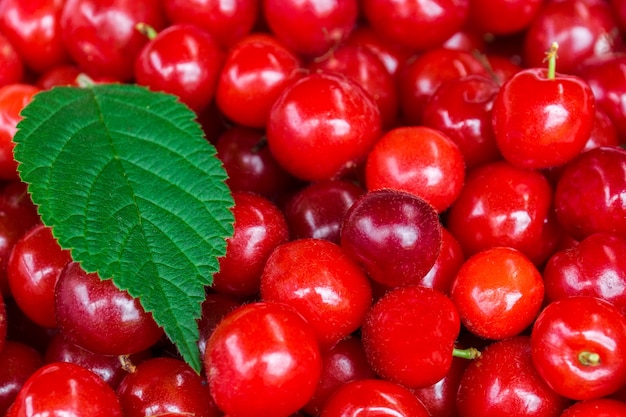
(439, 399)
(227, 21)
(373, 397)
(259, 228)
(461, 109)
(603, 132)
(409, 336)
(16, 203)
(62, 388)
(317, 210)
(498, 293)
(595, 267)
(344, 362)
(397, 20)
(309, 144)
(159, 386)
(33, 270)
(13, 98)
(396, 236)
(17, 362)
(589, 195)
(34, 28)
(578, 347)
(21, 329)
(182, 60)
(111, 368)
(418, 160)
(214, 308)
(451, 257)
(256, 71)
(600, 407)
(557, 121)
(503, 205)
(318, 279)
(504, 382)
(503, 17)
(3, 323)
(101, 37)
(310, 27)
(262, 360)
(11, 65)
(99, 317)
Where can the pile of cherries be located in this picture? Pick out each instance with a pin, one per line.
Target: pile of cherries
(430, 218)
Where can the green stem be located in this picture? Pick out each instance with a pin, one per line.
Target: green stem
(146, 30)
(469, 353)
(551, 57)
(589, 358)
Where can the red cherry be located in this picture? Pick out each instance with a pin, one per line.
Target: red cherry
(603, 133)
(3, 323)
(578, 347)
(262, 360)
(439, 399)
(600, 407)
(65, 389)
(17, 362)
(318, 279)
(503, 17)
(214, 308)
(182, 60)
(11, 65)
(451, 257)
(392, 55)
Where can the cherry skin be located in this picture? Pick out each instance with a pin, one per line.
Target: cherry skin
(461, 109)
(502, 205)
(317, 210)
(363, 66)
(62, 388)
(259, 228)
(313, 146)
(3, 323)
(308, 27)
(214, 308)
(34, 28)
(102, 37)
(418, 160)
(556, 123)
(160, 386)
(397, 20)
(13, 98)
(99, 317)
(409, 336)
(502, 17)
(595, 267)
(18, 361)
(11, 65)
(503, 382)
(498, 293)
(396, 236)
(227, 21)
(318, 279)
(33, 270)
(182, 60)
(603, 133)
(600, 407)
(578, 347)
(343, 363)
(590, 194)
(256, 71)
(281, 356)
(439, 399)
(451, 257)
(373, 397)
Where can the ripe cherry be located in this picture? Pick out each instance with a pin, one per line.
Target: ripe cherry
(451, 257)
(502, 17)
(3, 323)
(440, 398)
(18, 361)
(600, 407)
(11, 65)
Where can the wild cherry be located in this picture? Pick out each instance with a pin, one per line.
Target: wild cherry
(262, 360)
(11, 65)
(395, 235)
(322, 283)
(96, 315)
(18, 361)
(557, 121)
(578, 347)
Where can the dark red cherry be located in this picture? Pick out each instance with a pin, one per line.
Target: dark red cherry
(18, 361)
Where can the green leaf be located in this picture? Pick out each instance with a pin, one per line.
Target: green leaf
(128, 183)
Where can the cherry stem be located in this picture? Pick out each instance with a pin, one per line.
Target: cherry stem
(146, 30)
(551, 57)
(127, 364)
(589, 358)
(469, 353)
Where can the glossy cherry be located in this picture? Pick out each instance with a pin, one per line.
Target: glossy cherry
(504, 382)
(313, 146)
(33, 270)
(418, 160)
(498, 293)
(373, 397)
(318, 279)
(182, 60)
(163, 385)
(451, 257)
(409, 336)
(214, 308)
(256, 71)
(11, 65)
(578, 347)
(259, 228)
(18, 361)
(600, 407)
(396, 236)
(262, 360)
(590, 195)
(503, 17)
(97, 316)
(34, 28)
(3, 323)
(440, 398)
